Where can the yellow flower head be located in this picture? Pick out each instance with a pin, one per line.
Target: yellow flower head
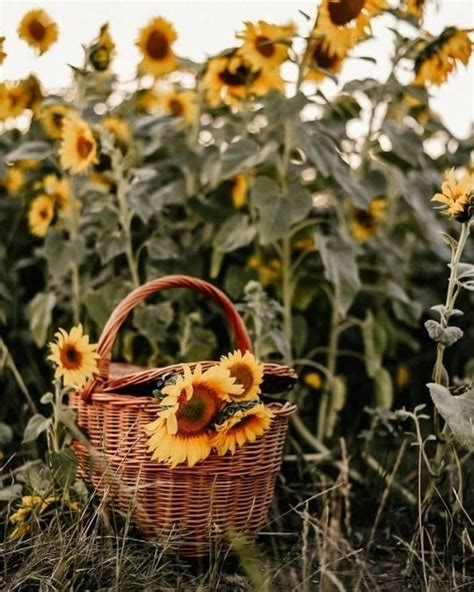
(120, 129)
(3, 55)
(59, 190)
(229, 79)
(402, 376)
(239, 190)
(41, 215)
(52, 119)
(440, 57)
(147, 101)
(343, 23)
(321, 58)
(265, 45)
(179, 104)
(38, 30)
(366, 223)
(102, 50)
(414, 8)
(182, 431)
(247, 371)
(78, 148)
(14, 180)
(456, 197)
(246, 424)
(155, 41)
(313, 379)
(75, 358)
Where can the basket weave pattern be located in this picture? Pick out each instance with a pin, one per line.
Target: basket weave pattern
(191, 508)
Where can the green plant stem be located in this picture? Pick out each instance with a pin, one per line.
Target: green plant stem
(7, 361)
(54, 432)
(331, 361)
(451, 296)
(76, 293)
(125, 218)
(287, 294)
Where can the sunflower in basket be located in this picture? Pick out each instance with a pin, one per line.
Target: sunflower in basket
(216, 409)
(182, 431)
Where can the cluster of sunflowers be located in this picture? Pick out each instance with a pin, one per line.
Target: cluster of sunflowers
(217, 409)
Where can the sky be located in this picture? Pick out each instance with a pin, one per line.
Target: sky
(205, 28)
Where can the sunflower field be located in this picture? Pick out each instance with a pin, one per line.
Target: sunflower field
(341, 228)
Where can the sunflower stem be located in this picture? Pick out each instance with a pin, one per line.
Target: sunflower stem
(55, 436)
(438, 374)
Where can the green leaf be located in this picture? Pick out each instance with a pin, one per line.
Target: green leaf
(152, 320)
(100, 303)
(406, 143)
(110, 245)
(236, 232)
(162, 248)
(6, 434)
(61, 254)
(375, 342)
(40, 311)
(383, 389)
(36, 426)
(36, 150)
(458, 412)
(340, 268)
(447, 336)
(243, 155)
(277, 210)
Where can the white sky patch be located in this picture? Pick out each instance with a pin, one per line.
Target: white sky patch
(205, 28)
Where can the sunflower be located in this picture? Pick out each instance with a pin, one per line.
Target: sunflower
(247, 371)
(402, 376)
(13, 180)
(3, 55)
(17, 100)
(179, 104)
(246, 424)
(102, 51)
(268, 272)
(239, 189)
(320, 58)
(38, 30)
(147, 101)
(456, 197)
(41, 214)
(52, 119)
(265, 45)
(345, 22)
(78, 148)
(414, 8)
(313, 379)
(155, 41)
(440, 57)
(229, 79)
(366, 223)
(75, 358)
(120, 129)
(59, 190)
(31, 508)
(182, 432)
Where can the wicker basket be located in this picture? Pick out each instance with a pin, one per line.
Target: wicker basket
(191, 508)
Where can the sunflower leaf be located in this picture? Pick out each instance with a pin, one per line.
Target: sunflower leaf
(40, 312)
(36, 426)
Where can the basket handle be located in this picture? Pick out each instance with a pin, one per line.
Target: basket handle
(123, 309)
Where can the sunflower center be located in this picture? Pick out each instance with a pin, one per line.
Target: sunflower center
(265, 46)
(343, 11)
(322, 58)
(71, 358)
(364, 219)
(196, 414)
(37, 30)
(240, 77)
(243, 375)
(84, 147)
(243, 422)
(175, 107)
(157, 45)
(57, 119)
(44, 214)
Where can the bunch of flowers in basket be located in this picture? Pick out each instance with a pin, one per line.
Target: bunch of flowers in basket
(218, 409)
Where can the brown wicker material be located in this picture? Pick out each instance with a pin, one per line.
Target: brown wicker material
(191, 508)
